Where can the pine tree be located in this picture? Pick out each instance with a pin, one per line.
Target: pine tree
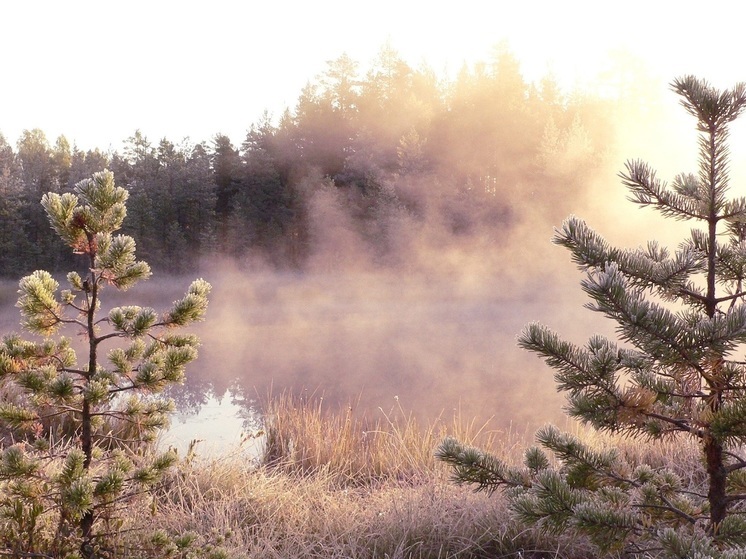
(674, 373)
(80, 429)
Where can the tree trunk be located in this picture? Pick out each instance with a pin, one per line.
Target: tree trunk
(86, 440)
(86, 434)
(716, 494)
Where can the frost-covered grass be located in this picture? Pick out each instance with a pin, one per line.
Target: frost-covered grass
(336, 485)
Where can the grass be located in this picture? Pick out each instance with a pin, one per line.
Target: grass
(302, 438)
(334, 484)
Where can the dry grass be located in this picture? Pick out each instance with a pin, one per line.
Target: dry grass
(335, 485)
(274, 515)
(303, 438)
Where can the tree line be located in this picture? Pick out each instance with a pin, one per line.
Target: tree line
(393, 144)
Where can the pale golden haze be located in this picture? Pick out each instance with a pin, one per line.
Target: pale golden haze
(96, 71)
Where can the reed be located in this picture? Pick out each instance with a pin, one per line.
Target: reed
(334, 483)
(303, 436)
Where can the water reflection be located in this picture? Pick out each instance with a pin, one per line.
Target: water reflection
(214, 426)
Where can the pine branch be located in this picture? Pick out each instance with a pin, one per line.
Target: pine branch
(647, 190)
(130, 387)
(73, 321)
(741, 464)
(682, 424)
(734, 209)
(732, 297)
(670, 507)
(63, 410)
(472, 466)
(100, 339)
(559, 354)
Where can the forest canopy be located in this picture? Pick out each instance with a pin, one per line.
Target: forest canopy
(365, 167)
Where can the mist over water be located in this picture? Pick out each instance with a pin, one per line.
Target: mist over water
(377, 339)
(433, 338)
(432, 332)
(413, 299)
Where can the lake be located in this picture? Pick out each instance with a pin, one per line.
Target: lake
(433, 346)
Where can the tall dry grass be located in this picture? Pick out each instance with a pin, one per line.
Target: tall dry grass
(333, 484)
(303, 437)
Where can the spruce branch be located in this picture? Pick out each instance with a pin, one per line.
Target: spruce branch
(647, 190)
(644, 269)
(712, 108)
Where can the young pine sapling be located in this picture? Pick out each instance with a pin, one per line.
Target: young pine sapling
(79, 428)
(679, 371)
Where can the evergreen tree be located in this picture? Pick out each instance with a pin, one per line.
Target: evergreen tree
(196, 200)
(681, 319)
(84, 164)
(265, 206)
(38, 176)
(14, 246)
(226, 163)
(341, 83)
(35, 154)
(80, 429)
(61, 163)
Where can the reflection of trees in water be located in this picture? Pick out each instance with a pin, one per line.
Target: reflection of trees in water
(199, 386)
(190, 396)
(196, 392)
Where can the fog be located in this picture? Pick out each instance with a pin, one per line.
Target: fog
(432, 327)
(432, 332)
(420, 309)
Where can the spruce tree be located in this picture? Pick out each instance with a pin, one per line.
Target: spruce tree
(81, 429)
(676, 371)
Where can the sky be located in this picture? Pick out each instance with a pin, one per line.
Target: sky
(97, 71)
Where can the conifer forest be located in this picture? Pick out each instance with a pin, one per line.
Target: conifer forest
(383, 155)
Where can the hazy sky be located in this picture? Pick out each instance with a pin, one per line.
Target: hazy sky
(96, 71)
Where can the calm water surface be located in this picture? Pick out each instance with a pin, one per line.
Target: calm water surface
(433, 345)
